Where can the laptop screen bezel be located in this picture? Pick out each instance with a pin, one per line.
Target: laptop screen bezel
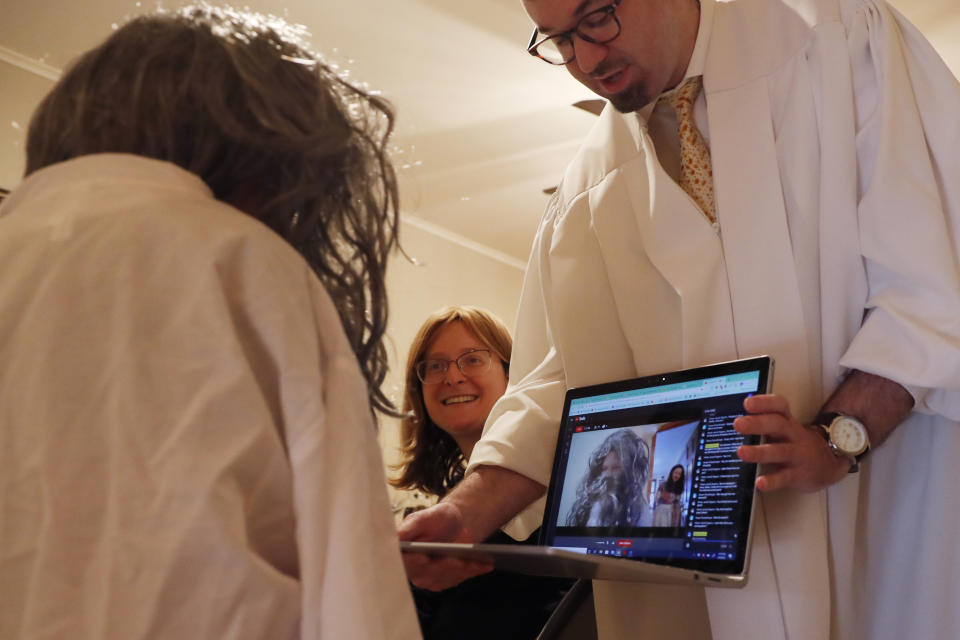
(763, 365)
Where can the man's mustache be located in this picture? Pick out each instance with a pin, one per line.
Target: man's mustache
(605, 68)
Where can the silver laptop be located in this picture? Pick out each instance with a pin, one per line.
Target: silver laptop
(646, 483)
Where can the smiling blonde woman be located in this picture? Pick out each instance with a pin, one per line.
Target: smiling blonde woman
(434, 429)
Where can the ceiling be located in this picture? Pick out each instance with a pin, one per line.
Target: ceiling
(482, 127)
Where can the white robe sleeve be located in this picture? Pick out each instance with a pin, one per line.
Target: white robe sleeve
(909, 210)
(521, 430)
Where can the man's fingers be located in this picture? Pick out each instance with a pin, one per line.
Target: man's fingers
(438, 573)
(438, 523)
(422, 529)
(770, 453)
(803, 469)
(767, 403)
(772, 425)
(411, 528)
(776, 480)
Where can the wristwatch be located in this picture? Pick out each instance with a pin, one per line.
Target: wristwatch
(846, 435)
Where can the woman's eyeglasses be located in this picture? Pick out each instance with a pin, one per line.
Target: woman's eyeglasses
(471, 363)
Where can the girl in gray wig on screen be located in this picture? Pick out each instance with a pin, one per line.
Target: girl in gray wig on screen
(612, 492)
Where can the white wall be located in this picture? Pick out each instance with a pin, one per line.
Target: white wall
(21, 91)
(939, 21)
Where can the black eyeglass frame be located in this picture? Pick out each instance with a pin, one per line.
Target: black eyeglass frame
(610, 9)
(418, 367)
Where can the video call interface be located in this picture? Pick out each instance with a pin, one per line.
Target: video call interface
(653, 474)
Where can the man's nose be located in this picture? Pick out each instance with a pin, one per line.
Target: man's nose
(588, 54)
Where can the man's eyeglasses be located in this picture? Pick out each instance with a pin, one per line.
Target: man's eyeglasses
(471, 363)
(598, 27)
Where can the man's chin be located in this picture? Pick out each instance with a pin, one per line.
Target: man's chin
(630, 99)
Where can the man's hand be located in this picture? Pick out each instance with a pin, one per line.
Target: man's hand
(482, 502)
(797, 456)
(440, 523)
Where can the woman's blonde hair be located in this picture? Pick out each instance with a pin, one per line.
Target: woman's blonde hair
(239, 100)
(432, 461)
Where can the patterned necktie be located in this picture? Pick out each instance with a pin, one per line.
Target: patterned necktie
(696, 171)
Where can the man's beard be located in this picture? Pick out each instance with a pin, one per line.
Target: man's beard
(631, 99)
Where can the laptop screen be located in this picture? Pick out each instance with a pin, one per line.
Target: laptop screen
(647, 468)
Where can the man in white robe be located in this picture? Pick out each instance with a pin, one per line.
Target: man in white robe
(834, 137)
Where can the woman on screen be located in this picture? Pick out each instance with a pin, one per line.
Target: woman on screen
(668, 509)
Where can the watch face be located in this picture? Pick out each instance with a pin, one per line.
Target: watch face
(849, 435)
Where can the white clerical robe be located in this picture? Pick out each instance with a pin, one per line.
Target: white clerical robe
(835, 138)
(186, 443)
